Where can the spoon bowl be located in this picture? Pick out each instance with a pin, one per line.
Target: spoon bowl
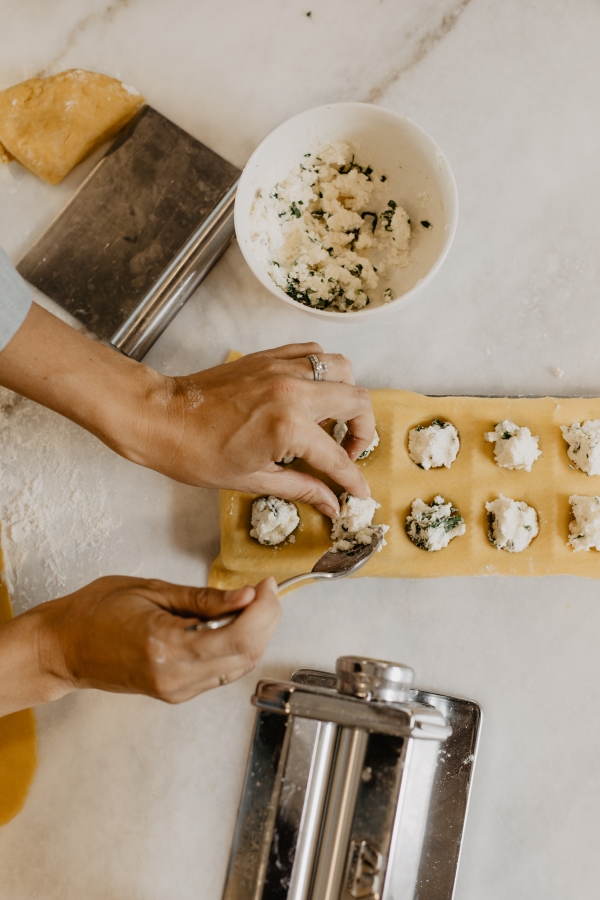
(333, 564)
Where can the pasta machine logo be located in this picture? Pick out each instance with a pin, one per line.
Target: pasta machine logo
(364, 870)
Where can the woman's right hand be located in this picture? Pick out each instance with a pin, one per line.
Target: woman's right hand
(132, 635)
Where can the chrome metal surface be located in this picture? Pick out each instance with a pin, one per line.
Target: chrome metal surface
(215, 623)
(139, 234)
(408, 719)
(450, 796)
(373, 679)
(179, 280)
(348, 782)
(345, 781)
(312, 816)
(451, 790)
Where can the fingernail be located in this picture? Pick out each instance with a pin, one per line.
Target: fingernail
(245, 594)
(271, 583)
(329, 510)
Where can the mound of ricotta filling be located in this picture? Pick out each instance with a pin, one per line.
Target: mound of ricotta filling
(513, 524)
(431, 526)
(584, 445)
(584, 531)
(273, 520)
(433, 446)
(514, 447)
(319, 235)
(353, 525)
(340, 430)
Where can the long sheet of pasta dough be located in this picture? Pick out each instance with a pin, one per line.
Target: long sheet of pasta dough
(18, 753)
(471, 481)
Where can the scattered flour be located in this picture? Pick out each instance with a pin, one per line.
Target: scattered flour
(55, 510)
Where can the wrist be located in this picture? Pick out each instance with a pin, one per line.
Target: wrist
(129, 413)
(32, 669)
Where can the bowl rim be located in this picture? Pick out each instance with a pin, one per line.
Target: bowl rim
(398, 302)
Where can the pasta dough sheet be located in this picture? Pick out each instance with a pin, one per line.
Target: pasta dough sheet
(18, 751)
(51, 124)
(471, 481)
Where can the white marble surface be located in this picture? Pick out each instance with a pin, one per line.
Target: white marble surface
(134, 799)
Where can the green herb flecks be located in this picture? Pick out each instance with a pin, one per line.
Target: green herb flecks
(388, 214)
(345, 170)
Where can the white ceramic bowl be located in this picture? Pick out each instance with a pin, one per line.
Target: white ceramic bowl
(419, 178)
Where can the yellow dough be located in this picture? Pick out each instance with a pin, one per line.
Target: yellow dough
(18, 753)
(51, 124)
(471, 481)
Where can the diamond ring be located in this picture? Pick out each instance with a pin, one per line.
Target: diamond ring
(318, 366)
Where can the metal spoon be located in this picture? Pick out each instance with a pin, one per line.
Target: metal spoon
(333, 564)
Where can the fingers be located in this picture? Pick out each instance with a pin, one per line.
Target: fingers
(291, 485)
(250, 633)
(235, 650)
(208, 602)
(289, 351)
(191, 601)
(321, 451)
(295, 357)
(338, 368)
(324, 454)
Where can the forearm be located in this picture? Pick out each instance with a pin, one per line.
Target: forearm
(96, 387)
(27, 675)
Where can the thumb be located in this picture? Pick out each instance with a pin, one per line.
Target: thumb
(292, 485)
(204, 602)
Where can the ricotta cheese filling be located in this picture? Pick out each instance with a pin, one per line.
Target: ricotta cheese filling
(353, 525)
(319, 236)
(514, 447)
(273, 520)
(340, 430)
(433, 446)
(513, 524)
(431, 526)
(585, 529)
(584, 445)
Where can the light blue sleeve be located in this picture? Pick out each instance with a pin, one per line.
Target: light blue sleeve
(15, 300)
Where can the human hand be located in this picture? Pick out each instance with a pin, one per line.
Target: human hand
(226, 427)
(131, 635)
(231, 425)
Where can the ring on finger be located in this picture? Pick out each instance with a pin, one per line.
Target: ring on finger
(223, 680)
(318, 367)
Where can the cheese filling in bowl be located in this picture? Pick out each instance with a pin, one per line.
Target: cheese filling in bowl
(346, 210)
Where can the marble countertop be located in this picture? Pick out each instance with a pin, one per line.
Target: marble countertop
(134, 799)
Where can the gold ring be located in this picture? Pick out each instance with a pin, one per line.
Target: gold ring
(223, 680)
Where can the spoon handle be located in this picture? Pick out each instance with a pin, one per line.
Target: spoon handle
(314, 575)
(228, 618)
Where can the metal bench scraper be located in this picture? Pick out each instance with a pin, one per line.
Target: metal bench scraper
(139, 235)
